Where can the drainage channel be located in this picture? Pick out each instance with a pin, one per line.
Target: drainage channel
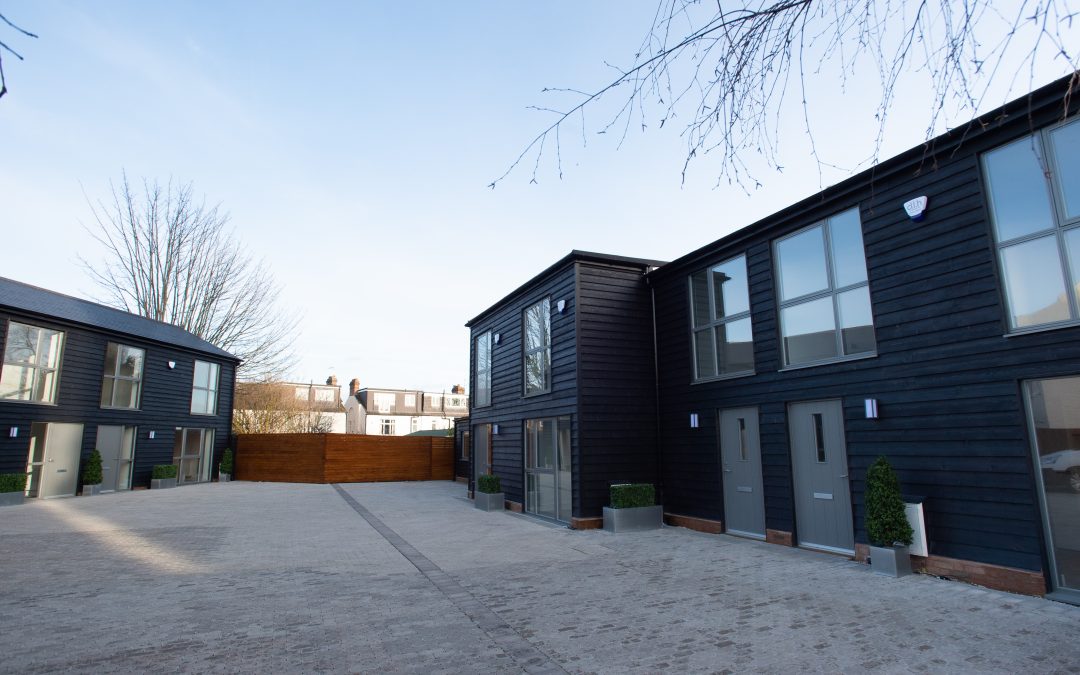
(528, 657)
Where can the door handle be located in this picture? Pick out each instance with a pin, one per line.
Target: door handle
(844, 476)
(727, 470)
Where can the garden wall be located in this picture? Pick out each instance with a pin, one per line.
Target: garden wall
(343, 458)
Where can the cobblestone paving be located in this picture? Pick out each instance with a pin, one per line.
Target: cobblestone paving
(249, 577)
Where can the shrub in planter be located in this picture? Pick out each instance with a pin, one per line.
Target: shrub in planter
(225, 468)
(12, 486)
(91, 474)
(164, 471)
(632, 495)
(633, 508)
(886, 525)
(489, 496)
(488, 484)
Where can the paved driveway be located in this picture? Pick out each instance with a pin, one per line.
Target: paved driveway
(408, 577)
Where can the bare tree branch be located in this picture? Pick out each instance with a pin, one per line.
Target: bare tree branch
(170, 258)
(4, 47)
(727, 73)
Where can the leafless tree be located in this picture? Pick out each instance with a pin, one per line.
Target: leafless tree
(728, 72)
(4, 47)
(272, 407)
(172, 258)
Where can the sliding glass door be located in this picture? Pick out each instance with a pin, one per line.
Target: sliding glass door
(548, 477)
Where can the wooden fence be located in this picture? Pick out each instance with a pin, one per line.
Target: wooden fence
(343, 458)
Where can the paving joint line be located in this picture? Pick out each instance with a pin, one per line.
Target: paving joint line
(524, 653)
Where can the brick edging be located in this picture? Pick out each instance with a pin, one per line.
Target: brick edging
(594, 523)
(998, 577)
(694, 523)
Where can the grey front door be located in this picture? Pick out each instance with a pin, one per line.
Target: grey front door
(481, 439)
(740, 465)
(819, 460)
(60, 471)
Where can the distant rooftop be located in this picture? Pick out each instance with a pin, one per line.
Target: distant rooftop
(33, 300)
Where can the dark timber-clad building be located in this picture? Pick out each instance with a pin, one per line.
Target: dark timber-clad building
(78, 376)
(927, 310)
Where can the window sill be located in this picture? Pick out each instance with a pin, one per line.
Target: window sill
(815, 364)
(722, 378)
(1044, 328)
(21, 401)
(113, 407)
(535, 394)
(199, 414)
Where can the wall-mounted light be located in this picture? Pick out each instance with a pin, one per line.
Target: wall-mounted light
(694, 421)
(495, 338)
(916, 208)
(561, 306)
(151, 435)
(494, 429)
(871, 409)
(13, 432)
(172, 364)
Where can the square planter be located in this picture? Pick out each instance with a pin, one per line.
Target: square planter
(11, 498)
(637, 519)
(486, 501)
(890, 561)
(91, 490)
(224, 477)
(162, 483)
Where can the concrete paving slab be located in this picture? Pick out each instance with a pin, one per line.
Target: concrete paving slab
(251, 577)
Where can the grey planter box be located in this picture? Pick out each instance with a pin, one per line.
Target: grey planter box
(637, 519)
(11, 498)
(224, 477)
(486, 501)
(162, 483)
(890, 561)
(91, 490)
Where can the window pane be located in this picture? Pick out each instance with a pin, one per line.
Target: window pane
(1066, 142)
(545, 445)
(213, 376)
(21, 344)
(802, 264)
(536, 326)
(131, 361)
(202, 374)
(198, 401)
(856, 321)
(1018, 195)
(530, 444)
(1034, 282)
(106, 391)
(110, 358)
(730, 288)
(536, 372)
(849, 259)
(705, 353)
(735, 347)
(211, 402)
(125, 393)
(809, 331)
(16, 382)
(50, 346)
(699, 298)
(565, 479)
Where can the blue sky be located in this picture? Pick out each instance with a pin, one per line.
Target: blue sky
(352, 144)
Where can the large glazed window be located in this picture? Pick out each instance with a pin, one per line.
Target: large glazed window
(722, 341)
(31, 363)
(1033, 189)
(537, 348)
(204, 389)
(122, 382)
(824, 294)
(483, 370)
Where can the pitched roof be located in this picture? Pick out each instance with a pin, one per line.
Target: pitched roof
(31, 299)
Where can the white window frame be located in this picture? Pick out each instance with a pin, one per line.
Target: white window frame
(716, 322)
(37, 370)
(211, 390)
(387, 426)
(545, 347)
(832, 291)
(115, 377)
(1062, 226)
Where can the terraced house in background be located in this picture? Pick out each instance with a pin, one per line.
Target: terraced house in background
(927, 310)
(78, 376)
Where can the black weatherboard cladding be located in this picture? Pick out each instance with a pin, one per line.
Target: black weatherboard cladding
(947, 380)
(165, 400)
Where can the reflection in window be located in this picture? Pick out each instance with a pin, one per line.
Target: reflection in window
(537, 348)
(31, 363)
(825, 312)
(1033, 189)
(482, 372)
(720, 309)
(123, 376)
(204, 389)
